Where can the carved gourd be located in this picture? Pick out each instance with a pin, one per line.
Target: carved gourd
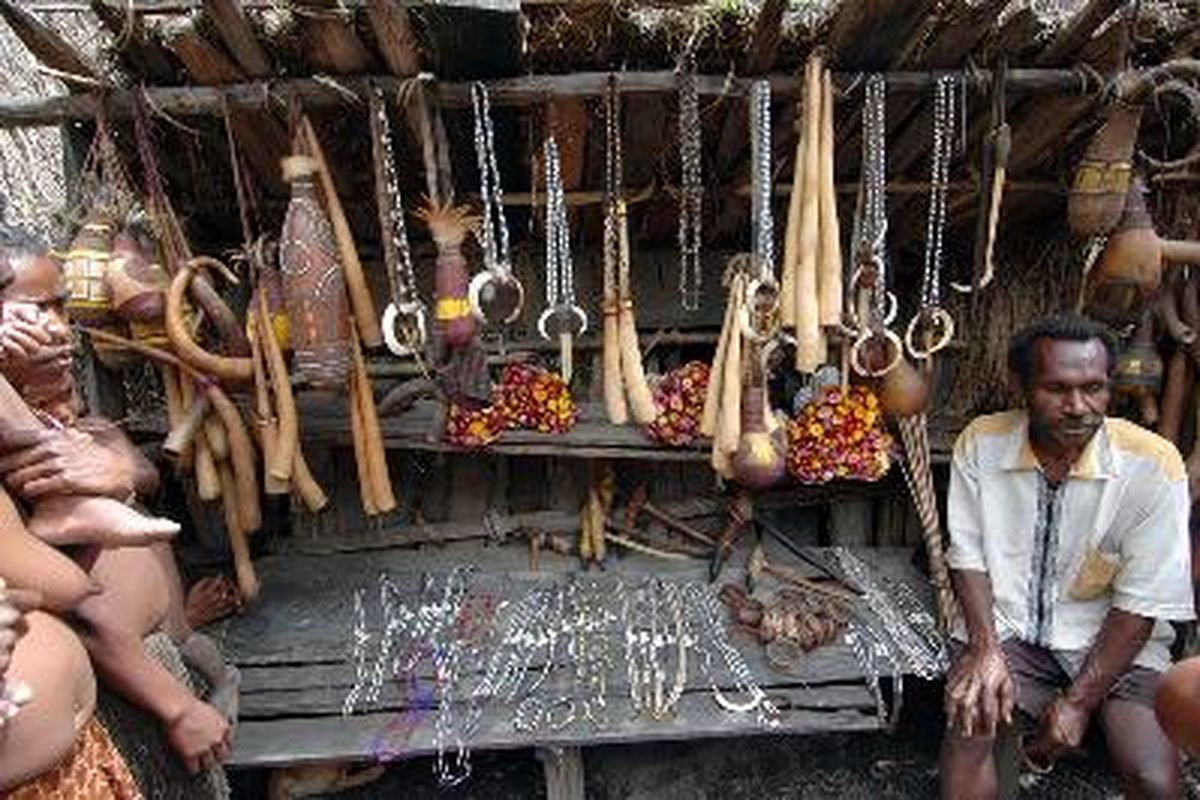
(313, 285)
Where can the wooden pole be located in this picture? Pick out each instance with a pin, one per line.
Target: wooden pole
(395, 37)
(44, 42)
(238, 37)
(523, 91)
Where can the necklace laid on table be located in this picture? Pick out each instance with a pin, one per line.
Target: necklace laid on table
(495, 294)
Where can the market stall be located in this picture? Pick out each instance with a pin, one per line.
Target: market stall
(594, 385)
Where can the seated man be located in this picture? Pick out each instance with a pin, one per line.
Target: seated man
(74, 458)
(1069, 550)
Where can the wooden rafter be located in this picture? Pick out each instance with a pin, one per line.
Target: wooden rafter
(394, 36)
(238, 37)
(46, 45)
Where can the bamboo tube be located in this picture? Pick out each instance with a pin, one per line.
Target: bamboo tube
(361, 303)
(175, 413)
(365, 489)
(247, 579)
(808, 331)
(712, 395)
(641, 399)
(791, 238)
(376, 455)
(306, 486)
(214, 434)
(267, 426)
(829, 276)
(241, 457)
(208, 485)
(729, 425)
(288, 440)
(614, 387)
(178, 445)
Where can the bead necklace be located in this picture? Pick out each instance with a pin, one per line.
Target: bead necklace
(569, 318)
(496, 287)
(691, 193)
(931, 320)
(406, 306)
(712, 643)
(649, 639)
(875, 306)
(760, 320)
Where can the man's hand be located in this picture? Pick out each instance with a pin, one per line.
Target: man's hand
(1061, 730)
(66, 461)
(979, 692)
(29, 341)
(200, 736)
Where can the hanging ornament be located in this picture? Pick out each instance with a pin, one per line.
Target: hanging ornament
(691, 192)
(405, 319)
(566, 316)
(932, 327)
(877, 349)
(318, 312)
(495, 293)
(760, 322)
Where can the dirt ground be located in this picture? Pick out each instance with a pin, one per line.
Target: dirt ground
(870, 766)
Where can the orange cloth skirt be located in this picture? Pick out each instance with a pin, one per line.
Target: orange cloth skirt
(94, 770)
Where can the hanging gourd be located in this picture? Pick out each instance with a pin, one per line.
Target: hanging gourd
(314, 290)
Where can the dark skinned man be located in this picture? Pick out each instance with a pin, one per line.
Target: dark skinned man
(1070, 554)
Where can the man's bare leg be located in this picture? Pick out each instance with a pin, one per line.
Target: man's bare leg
(1141, 753)
(968, 767)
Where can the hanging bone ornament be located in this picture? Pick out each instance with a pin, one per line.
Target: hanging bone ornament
(405, 318)
(562, 312)
(495, 294)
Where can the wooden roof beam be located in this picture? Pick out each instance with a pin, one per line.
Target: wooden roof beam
(395, 37)
(47, 46)
(523, 91)
(238, 37)
(329, 41)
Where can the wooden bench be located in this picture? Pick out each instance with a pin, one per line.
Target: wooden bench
(294, 651)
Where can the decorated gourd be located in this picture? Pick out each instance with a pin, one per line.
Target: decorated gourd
(85, 271)
(313, 286)
(138, 287)
(456, 324)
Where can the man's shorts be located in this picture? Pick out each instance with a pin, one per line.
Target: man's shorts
(1040, 677)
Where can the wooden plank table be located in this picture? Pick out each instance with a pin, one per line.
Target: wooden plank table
(294, 651)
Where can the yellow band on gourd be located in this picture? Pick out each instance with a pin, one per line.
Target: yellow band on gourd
(451, 308)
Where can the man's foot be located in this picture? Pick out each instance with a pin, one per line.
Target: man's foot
(210, 599)
(71, 519)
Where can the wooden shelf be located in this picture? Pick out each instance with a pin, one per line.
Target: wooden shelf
(324, 420)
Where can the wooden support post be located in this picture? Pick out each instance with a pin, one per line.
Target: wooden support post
(45, 44)
(564, 772)
(238, 37)
(395, 37)
(850, 522)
